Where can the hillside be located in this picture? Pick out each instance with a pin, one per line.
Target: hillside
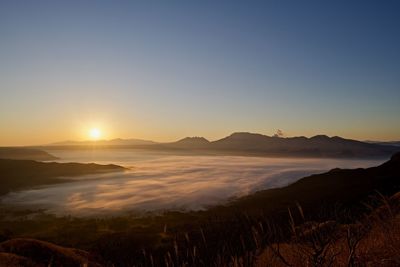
(29, 252)
(25, 153)
(374, 240)
(338, 188)
(18, 174)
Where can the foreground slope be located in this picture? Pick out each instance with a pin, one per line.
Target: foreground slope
(374, 240)
(30, 252)
(331, 190)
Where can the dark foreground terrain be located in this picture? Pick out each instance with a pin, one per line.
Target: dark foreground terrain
(339, 218)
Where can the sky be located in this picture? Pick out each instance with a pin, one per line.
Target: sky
(163, 70)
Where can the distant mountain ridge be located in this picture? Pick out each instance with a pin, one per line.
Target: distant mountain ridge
(316, 146)
(245, 143)
(112, 142)
(195, 142)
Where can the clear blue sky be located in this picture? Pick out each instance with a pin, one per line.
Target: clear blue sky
(168, 69)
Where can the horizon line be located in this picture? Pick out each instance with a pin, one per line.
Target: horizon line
(196, 136)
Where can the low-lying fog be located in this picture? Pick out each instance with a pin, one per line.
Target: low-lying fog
(158, 182)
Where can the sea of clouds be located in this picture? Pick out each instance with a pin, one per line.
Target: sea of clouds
(156, 183)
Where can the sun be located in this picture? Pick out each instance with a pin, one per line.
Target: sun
(94, 133)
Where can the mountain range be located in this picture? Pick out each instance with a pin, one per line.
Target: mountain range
(244, 143)
(112, 142)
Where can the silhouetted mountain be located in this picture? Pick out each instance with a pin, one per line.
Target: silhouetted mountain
(243, 143)
(319, 145)
(191, 143)
(24, 153)
(257, 144)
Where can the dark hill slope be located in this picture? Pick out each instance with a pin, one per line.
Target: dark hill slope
(336, 189)
(18, 174)
(30, 252)
(24, 153)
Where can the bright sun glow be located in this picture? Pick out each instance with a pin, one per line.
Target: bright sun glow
(94, 133)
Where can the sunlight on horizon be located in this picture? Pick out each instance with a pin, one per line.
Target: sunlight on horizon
(94, 134)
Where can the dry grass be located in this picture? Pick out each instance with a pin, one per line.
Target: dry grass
(245, 241)
(30, 252)
(373, 241)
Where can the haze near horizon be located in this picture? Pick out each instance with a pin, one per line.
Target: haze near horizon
(162, 71)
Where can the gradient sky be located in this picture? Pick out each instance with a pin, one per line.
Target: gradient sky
(169, 69)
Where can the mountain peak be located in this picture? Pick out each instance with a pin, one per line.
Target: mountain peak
(320, 137)
(195, 142)
(245, 135)
(193, 139)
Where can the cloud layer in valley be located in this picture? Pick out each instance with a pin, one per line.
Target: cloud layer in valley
(172, 183)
